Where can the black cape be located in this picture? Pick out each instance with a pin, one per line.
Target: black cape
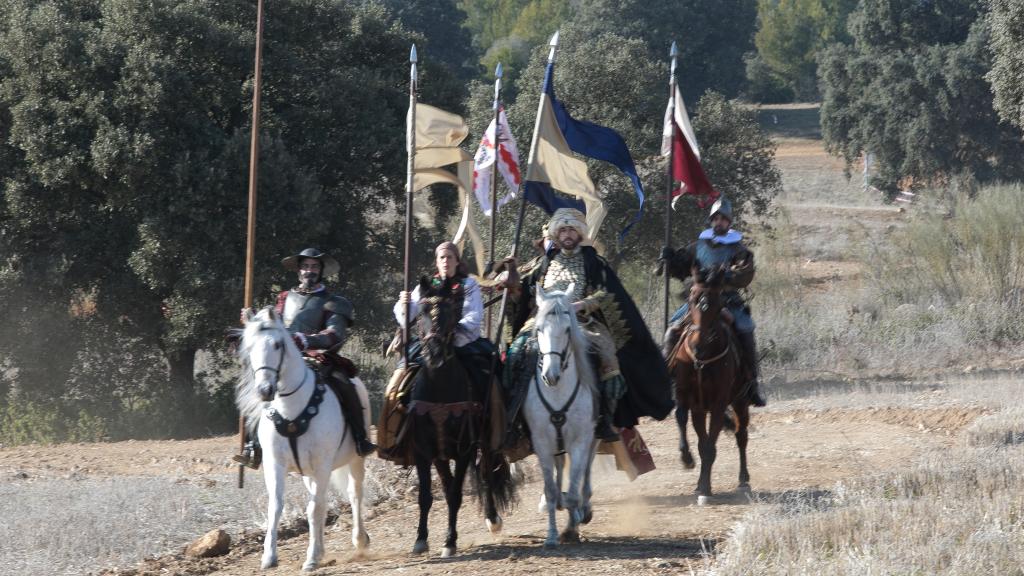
(648, 386)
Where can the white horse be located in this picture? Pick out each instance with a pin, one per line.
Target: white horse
(281, 393)
(560, 410)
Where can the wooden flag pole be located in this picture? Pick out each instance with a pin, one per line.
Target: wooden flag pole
(522, 203)
(670, 181)
(494, 182)
(409, 185)
(254, 160)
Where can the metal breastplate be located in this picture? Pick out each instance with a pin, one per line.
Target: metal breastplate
(715, 254)
(305, 312)
(564, 270)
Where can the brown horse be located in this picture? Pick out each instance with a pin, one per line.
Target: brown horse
(705, 366)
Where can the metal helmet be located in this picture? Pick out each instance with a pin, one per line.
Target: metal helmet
(328, 265)
(721, 206)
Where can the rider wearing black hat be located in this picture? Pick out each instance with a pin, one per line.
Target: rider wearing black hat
(319, 323)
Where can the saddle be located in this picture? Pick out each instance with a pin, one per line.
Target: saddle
(330, 362)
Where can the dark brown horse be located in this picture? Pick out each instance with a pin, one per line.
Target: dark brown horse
(705, 366)
(449, 422)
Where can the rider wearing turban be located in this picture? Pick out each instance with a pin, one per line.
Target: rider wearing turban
(631, 372)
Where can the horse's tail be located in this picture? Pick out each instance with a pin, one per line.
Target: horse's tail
(493, 474)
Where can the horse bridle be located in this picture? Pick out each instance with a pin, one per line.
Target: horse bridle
(278, 345)
(563, 356)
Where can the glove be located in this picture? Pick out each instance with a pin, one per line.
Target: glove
(301, 342)
(666, 253)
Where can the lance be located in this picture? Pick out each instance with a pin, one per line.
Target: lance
(409, 185)
(553, 43)
(254, 160)
(494, 181)
(669, 180)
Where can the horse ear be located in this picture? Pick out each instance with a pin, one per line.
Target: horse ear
(271, 313)
(541, 294)
(424, 286)
(570, 289)
(248, 315)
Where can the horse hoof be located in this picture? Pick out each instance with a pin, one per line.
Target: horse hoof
(587, 516)
(744, 487)
(420, 547)
(448, 552)
(702, 500)
(550, 543)
(361, 541)
(494, 527)
(309, 566)
(687, 460)
(568, 537)
(268, 563)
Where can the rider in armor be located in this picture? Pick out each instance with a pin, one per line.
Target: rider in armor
(718, 245)
(607, 315)
(319, 323)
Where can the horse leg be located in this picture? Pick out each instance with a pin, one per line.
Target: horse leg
(706, 450)
(684, 445)
(587, 491)
(316, 515)
(273, 477)
(742, 410)
(453, 496)
(356, 475)
(426, 500)
(578, 463)
(486, 473)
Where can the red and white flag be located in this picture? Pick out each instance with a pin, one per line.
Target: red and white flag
(508, 165)
(678, 139)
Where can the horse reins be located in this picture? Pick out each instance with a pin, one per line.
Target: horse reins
(557, 417)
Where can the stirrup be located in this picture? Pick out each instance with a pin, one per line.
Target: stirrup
(248, 459)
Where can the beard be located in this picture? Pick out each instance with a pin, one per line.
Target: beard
(569, 243)
(308, 279)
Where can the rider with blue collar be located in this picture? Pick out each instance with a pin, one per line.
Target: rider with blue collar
(720, 245)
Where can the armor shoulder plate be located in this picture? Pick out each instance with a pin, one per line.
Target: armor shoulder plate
(342, 307)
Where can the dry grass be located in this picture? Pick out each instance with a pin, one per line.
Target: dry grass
(80, 526)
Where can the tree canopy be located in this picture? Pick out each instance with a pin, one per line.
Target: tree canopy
(1006, 21)
(911, 90)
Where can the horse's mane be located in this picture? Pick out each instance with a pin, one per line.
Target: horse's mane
(558, 302)
(247, 398)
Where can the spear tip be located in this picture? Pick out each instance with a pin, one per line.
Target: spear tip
(412, 54)
(674, 51)
(554, 39)
(498, 71)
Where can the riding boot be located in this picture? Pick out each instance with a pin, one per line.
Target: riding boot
(353, 411)
(606, 409)
(252, 453)
(750, 359)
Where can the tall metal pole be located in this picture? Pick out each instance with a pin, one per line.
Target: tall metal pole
(254, 162)
(522, 196)
(494, 180)
(669, 180)
(409, 185)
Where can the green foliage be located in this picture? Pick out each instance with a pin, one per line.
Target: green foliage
(1006, 20)
(911, 90)
(790, 35)
(713, 36)
(125, 132)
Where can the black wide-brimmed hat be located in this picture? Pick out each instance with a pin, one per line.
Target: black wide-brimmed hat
(327, 262)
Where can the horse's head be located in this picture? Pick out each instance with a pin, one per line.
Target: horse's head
(706, 295)
(266, 346)
(440, 309)
(555, 321)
